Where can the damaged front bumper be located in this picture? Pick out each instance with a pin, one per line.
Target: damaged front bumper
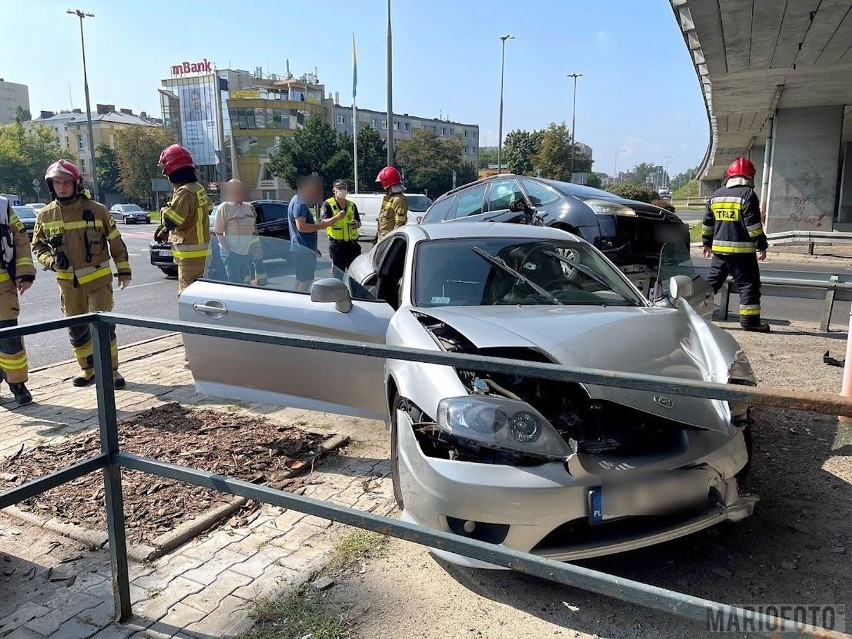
(548, 510)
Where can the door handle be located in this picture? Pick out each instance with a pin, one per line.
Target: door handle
(213, 309)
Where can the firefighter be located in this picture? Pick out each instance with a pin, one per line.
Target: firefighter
(16, 276)
(75, 237)
(184, 220)
(343, 244)
(733, 235)
(394, 209)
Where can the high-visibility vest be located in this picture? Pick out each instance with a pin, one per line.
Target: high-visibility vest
(341, 230)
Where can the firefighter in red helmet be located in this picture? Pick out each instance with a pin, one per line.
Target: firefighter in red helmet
(75, 237)
(732, 234)
(394, 210)
(184, 220)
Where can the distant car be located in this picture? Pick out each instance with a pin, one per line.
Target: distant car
(271, 222)
(629, 233)
(28, 218)
(130, 214)
(37, 206)
(664, 191)
(369, 205)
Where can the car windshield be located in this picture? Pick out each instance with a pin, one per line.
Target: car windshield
(418, 203)
(521, 271)
(128, 208)
(269, 211)
(24, 212)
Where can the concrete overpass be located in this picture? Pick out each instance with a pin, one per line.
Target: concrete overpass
(776, 76)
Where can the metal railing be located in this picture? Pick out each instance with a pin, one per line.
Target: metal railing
(810, 238)
(112, 460)
(827, 287)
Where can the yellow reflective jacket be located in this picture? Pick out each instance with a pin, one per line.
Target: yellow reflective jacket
(22, 258)
(393, 213)
(188, 216)
(84, 233)
(342, 230)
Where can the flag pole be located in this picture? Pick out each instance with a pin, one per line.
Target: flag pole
(354, 113)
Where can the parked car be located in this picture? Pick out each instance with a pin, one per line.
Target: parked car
(271, 222)
(664, 192)
(130, 214)
(28, 216)
(564, 470)
(369, 205)
(629, 233)
(37, 206)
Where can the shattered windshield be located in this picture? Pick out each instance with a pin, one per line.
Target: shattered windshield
(489, 271)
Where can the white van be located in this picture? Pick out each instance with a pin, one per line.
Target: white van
(369, 205)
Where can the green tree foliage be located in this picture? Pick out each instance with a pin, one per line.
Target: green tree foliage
(640, 192)
(519, 151)
(596, 179)
(429, 162)
(106, 161)
(487, 156)
(137, 150)
(25, 154)
(682, 178)
(642, 171)
(553, 158)
(315, 148)
(22, 114)
(372, 158)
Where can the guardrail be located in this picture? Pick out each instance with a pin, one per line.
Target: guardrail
(112, 460)
(796, 284)
(810, 237)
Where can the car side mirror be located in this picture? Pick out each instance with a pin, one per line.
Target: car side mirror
(331, 289)
(681, 286)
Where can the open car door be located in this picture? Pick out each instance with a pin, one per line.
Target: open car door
(675, 260)
(297, 377)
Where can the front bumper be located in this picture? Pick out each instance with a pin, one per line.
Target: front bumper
(546, 510)
(161, 254)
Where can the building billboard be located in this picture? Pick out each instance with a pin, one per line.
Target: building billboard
(198, 121)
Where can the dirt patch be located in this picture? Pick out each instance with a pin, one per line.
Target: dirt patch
(243, 446)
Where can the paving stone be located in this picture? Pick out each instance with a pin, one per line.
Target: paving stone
(286, 520)
(23, 633)
(101, 615)
(297, 538)
(155, 608)
(273, 580)
(208, 572)
(255, 565)
(176, 565)
(179, 617)
(49, 623)
(24, 613)
(319, 522)
(76, 628)
(226, 583)
(305, 559)
(228, 620)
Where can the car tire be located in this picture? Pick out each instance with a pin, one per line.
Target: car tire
(394, 454)
(170, 272)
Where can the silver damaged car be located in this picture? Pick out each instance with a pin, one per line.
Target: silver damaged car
(562, 470)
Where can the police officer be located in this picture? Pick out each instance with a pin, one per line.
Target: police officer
(733, 235)
(394, 209)
(343, 234)
(16, 276)
(75, 237)
(185, 219)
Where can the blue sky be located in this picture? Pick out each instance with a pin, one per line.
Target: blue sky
(638, 92)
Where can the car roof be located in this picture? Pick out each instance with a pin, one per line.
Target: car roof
(452, 230)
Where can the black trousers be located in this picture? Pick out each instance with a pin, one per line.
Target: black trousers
(743, 268)
(343, 253)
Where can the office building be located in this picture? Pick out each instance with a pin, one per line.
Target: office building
(12, 96)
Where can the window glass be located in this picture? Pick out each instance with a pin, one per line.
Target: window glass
(268, 211)
(418, 203)
(439, 211)
(538, 193)
(502, 193)
(469, 201)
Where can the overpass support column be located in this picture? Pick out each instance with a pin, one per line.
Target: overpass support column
(845, 212)
(805, 164)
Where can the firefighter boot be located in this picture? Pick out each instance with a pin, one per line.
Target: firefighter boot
(86, 378)
(753, 324)
(117, 380)
(22, 395)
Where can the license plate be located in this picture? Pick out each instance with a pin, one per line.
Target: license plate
(165, 253)
(649, 495)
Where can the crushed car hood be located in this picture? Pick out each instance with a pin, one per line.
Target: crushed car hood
(644, 340)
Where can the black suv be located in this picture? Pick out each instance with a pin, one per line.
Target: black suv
(629, 233)
(271, 222)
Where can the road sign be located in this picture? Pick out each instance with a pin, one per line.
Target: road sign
(36, 184)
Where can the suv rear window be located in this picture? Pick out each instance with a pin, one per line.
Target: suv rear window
(418, 203)
(439, 211)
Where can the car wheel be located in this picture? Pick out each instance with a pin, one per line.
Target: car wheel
(170, 272)
(394, 454)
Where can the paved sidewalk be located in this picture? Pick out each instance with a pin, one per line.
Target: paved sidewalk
(51, 586)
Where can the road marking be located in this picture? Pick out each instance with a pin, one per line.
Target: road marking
(145, 284)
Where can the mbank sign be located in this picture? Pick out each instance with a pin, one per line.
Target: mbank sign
(192, 67)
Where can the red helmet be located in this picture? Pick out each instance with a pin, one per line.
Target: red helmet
(741, 167)
(388, 176)
(174, 157)
(66, 169)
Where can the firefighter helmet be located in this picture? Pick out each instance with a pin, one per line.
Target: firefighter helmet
(388, 177)
(741, 167)
(66, 169)
(174, 157)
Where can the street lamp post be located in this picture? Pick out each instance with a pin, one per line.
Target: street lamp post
(390, 89)
(503, 38)
(615, 165)
(573, 120)
(82, 14)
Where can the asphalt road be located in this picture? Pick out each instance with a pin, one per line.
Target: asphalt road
(152, 294)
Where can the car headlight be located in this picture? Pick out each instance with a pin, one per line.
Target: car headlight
(502, 423)
(605, 207)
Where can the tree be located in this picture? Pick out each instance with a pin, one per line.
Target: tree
(641, 172)
(520, 150)
(596, 179)
(553, 157)
(137, 150)
(25, 154)
(638, 192)
(22, 114)
(487, 156)
(682, 178)
(315, 148)
(372, 157)
(106, 162)
(429, 162)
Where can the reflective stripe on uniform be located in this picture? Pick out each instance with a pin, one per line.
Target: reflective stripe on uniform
(23, 261)
(113, 235)
(706, 230)
(725, 211)
(4, 276)
(174, 216)
(83, 352)
(749, 309)
(14, 363)
(122, 265)
(64, 275)
(60, 225)
(755, 229)
(722, 246)
(190, 250)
